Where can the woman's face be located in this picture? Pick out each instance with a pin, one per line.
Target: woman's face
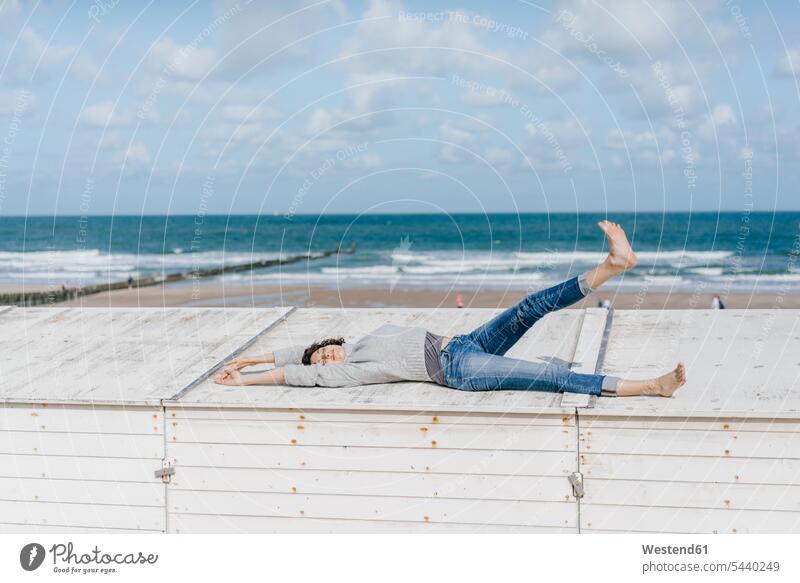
(332, 354)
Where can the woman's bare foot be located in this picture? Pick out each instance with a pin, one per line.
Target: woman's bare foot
(667, 384)
(620, 254)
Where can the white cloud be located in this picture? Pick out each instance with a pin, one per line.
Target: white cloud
(9, 8)
(721, 115)
(244, 113)
(395, 43)
(496, 155)
(452, 154)
(789, 63)
(365, 94)
(261, 36)
(452, 133)
(563, 131)
(644, 147)
(103, 114)
(16, 101)
(134, 158)
(33, 56)
(186, 62)
(627, 31)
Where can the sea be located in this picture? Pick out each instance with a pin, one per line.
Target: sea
(712, 252)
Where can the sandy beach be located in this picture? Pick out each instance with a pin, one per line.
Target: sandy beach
(219, 295)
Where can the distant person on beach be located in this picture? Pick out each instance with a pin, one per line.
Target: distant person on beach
(130, 281)
(716, 303)
(459, 301)
(469, 362)
(604, 303)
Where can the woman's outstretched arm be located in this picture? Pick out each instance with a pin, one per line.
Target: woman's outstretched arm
(241, 362)
(233, 377)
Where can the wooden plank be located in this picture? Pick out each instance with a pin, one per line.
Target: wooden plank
(540, 463)
(117, 355)
(590, 337)
(59, 467)
(82, 444)
(83, 491)
(561, 514)
(595, 517)
(691, 443)
(730, 470)
(530, 438)
(83, 515)
(210, 523)
(6, 528)
(58, 418)
(334, 416)
(303, 481)
(740, 363)
(696, 423)
(701, 495)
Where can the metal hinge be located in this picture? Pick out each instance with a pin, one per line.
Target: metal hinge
(165, 472)
(576, 479)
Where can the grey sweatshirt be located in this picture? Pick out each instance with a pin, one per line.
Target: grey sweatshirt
(388, 354)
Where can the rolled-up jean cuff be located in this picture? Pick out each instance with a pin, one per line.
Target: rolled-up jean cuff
(584, 285)
(609, 386)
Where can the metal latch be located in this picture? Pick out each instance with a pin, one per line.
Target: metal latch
(165, 472)
(576, 479)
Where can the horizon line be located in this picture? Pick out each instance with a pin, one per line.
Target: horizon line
(350, 214)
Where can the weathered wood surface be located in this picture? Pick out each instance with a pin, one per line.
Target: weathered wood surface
(743, 363)
(80, 466)
(141, 356)
(554, 338)
(205, 523)
(270, 468)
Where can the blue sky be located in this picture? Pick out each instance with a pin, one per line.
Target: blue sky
(279, 107)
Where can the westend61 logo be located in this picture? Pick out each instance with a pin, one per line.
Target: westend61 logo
(33, 555)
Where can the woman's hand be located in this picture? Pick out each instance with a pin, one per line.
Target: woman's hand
(230, 377)
(241, 362)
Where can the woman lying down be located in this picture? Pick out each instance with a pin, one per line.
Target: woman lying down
(470, 362)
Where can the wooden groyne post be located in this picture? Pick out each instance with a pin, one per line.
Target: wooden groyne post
(42, 298)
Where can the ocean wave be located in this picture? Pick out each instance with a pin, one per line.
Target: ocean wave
(459, 261)
(92, 264)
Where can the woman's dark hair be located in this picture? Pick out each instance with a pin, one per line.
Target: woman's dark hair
(317, 345)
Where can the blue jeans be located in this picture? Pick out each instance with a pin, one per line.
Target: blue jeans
(475, 361)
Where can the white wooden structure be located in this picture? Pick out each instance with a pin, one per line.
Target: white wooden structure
(81, 412)
(95, 402)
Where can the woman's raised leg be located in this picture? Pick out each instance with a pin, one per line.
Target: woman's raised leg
(501, 333)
